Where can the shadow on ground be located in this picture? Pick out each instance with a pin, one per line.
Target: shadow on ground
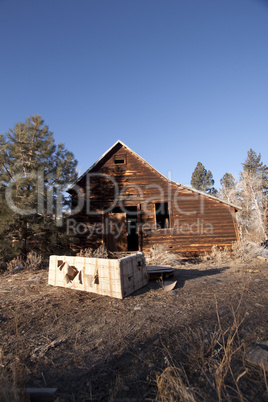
(181, 275)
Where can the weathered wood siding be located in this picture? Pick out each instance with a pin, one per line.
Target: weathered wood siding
(197, 222)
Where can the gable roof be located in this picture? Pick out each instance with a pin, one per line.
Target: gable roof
(118, 143)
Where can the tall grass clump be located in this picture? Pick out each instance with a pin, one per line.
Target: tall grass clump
(160, 255)
(211, 364)
(34, 261)
(100, 252)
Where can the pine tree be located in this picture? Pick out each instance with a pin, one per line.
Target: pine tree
(228, 188)
(34, 172)
(253, 165)
(7, 222)
(202, 179)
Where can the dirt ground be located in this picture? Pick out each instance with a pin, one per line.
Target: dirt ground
(110, 349)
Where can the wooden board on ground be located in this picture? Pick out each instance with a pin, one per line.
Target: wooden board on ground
(262, 258)
(155, 271)
(169, 285)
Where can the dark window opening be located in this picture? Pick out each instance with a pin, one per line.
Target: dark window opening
(119, 159)
(132, 229)
(129, 210)
(162, 215)
(117, 210)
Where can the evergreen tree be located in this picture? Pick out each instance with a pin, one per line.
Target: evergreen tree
(228, 188)
(254, 166)
(7, 222)
(202, 179)
(228, 181)
(33, 175)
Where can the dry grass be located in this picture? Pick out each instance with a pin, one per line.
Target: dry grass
(100, 252)
(247, 251)
(85, 252)
(14, 263)
(14, 389)
(171, 386)
(33, 261)
(203, 359)
(213, 357)
(230, 344)
(218, 256)
(118, 385)
(160, 255)
(242, 253)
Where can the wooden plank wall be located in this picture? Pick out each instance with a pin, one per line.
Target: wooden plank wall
(197, 222)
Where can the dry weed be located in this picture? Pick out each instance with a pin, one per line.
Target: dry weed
(86, 252)
(100, 252)
(203, 346)
(15, 263)
(117, 387)
(160, 255)
(243, 252)
(214, 356)
(218, 256)
(171, 387)
(13, 381)
(33, 261)
(230, 344)
(247, 251)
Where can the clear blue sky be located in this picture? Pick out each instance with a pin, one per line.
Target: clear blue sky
(179, 81)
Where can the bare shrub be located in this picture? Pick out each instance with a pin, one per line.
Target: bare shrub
(85, 252)
(100, 252)
(33, 261)
(160, 255)
(252, 218)
(218, 256)
(247, 251)
(244, 251)
(15, 264)
(253, 237)
(171, 387)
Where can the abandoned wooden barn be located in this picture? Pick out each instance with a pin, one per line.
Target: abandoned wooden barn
(123, 202)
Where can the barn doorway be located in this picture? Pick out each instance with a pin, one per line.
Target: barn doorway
(132, 229)
(122, 229)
